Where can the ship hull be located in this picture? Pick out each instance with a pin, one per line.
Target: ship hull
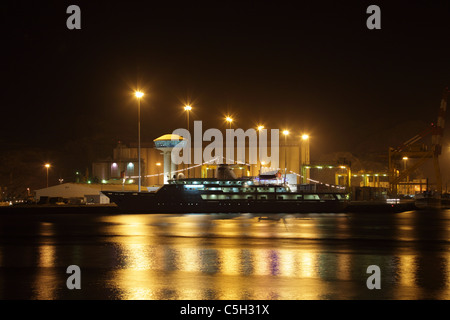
(146, 202)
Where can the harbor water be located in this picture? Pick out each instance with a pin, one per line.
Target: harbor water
(225, 257)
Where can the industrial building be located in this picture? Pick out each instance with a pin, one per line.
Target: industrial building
(156, 168)
(78, 193)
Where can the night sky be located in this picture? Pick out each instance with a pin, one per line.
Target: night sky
(314, 68)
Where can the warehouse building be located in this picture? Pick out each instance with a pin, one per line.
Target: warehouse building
(78, 193)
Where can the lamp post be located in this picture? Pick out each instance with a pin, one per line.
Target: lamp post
(228, 152)
(304, 157)
(285, 132)
(139, 95)
(47, 165)
(407, 177)
(187, 109)
(259, 128)
(261, 165)
(158, 164)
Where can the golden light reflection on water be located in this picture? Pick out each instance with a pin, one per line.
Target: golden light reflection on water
(137, 256)
(189, 260)
(46, 257)
(45, 277)
(308, 264)
(209, 257)
(343, 269)
(199, 257)
(288, 263)
(146, 254)
(405, 226)
(230, 261)
(262, 266)
(448, 265)
(406, 270)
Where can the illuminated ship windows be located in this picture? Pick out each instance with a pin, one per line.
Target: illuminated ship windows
(311, 197)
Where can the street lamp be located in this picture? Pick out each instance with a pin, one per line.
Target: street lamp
(47, 165)
(285, 132)
(139, 95)
(187, 109)
(407, 176)
(304, 157)
(259, 128)
(229, 120)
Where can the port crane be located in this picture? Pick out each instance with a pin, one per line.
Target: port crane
(422, 152)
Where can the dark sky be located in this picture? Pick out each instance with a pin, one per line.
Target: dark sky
(296, 65)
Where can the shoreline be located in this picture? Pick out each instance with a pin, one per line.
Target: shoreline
(61, 209)
(354, 207)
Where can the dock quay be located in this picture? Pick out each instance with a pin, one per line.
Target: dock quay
(60, 209)
(353, 207)
(381, 206)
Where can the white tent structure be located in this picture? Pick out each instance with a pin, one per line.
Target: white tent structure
(79, 192)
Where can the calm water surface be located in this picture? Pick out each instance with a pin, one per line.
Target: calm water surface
(312, 256)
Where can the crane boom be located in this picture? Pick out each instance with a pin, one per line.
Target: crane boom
(437, 132)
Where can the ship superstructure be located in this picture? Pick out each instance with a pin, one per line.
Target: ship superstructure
(243, 195)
